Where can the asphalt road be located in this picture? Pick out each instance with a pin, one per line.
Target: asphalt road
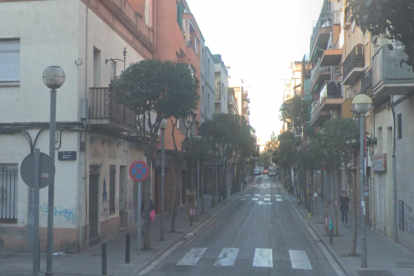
(258, 234)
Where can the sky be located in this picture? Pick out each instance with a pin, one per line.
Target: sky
(258, 40)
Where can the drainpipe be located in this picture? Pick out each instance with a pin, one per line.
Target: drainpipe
(394, 176)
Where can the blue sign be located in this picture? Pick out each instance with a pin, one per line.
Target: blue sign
(139, 171)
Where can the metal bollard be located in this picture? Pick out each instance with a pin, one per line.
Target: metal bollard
(104, 259)
(127, 248)
(39, 257)
(191, 217)
(330, 232)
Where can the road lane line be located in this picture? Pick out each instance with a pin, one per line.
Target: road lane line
(255, 198)
(263, 257)
(227, 257)
(279, 199)
(257, 195)
(267, 194)
(192, 257)
(267, 199)
(278, 195)
(299, 259)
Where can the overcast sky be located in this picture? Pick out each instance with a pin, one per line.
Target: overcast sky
(258, 40)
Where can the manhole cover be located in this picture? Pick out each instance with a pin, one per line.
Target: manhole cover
(374, 273)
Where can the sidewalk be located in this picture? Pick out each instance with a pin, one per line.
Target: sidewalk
(89, 262)
(384, 257)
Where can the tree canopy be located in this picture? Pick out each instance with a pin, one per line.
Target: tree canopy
(394, 18)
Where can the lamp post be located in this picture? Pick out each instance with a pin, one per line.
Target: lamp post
(53, 78)
(163, 126)
(361, 104)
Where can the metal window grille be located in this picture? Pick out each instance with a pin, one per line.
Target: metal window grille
(9, 62)
(8, 193)
(399, 124)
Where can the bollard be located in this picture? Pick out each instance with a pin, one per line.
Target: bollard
(330, 232)
(127, 248)
(39, 257)
(309, 215)
(191, 217)
(104, 264)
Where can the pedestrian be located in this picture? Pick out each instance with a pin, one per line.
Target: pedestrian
(152, 209)
(344, 208)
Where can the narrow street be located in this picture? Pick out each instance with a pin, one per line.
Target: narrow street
(259, 234)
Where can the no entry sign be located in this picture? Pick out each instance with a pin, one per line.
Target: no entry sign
(139, 171)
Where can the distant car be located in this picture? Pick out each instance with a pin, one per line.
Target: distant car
(265, 172)
(272, 171)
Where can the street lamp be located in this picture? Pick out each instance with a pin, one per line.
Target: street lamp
(53, 78)
(361, 104)
(163, 126)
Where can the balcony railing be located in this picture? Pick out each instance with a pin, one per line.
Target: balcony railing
(389, 75)
(354, 65)
(315, 74)
(324, 21)
(107, 110)
(366, 82)
(331, 90)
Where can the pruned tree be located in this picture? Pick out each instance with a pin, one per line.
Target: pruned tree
(339, 144)
(154, 90)
(393, 18)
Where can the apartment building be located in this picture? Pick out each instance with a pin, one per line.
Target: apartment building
(207, 83)
(92, 41)
(221, 85)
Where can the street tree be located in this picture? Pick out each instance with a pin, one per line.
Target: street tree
(339, 144)
(393, 18)
(295, 113)
(272, 144)
(284, 155)
(154, 90)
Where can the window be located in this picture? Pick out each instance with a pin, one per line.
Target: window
(96, 67)
(399, 123)
(8, 193)
(113, 70)
(112, 172)
(9, 62)
(181, 125)
(196, 45)
(180, 10)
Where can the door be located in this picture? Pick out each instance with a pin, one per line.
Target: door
(123, 196)
(93, 207)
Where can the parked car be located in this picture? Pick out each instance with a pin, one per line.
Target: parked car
(272, 171)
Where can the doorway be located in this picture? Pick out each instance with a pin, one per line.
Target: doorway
(94, 209)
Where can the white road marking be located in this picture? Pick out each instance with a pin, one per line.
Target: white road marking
(246, 195)
(265, 203)
(227, 257)
(299, 259)
(278, 196)
(257, 195)
(192, 257)
(242, 199)
(267, 199)
(255, 198)
(267, 194)
(263, 257)
(279, 199)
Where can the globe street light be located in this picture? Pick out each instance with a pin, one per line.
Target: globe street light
(361, 104)
(53, 78)
(163, 126)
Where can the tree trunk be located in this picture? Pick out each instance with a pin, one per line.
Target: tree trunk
(202, 188)
(352, 250)
(147, 210)
(176, 199)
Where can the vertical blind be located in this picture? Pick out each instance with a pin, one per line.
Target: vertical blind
(9, 61)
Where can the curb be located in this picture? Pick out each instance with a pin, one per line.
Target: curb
(195, 230)
(327, 246)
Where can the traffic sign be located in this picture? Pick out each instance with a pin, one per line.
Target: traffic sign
(47, 170)
(139, 171)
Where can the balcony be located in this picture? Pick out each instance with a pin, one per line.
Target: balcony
(319, 75)
(331, 96)
(320, 35)
(331, 57)
(354, 65)
(106, 113)
(366, 82)
(317, 115)
(389, 75)
(233, 105)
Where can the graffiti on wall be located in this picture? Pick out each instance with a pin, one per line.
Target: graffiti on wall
(66, 213)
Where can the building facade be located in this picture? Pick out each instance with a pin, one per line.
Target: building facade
(92, 41)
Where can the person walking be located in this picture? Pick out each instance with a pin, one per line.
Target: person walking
(344, 208)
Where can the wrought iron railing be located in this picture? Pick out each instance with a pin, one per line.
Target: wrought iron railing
(324, 21)
(354, 59)
(103, 107)
(317, 70)
(8, 193)
(366, 82)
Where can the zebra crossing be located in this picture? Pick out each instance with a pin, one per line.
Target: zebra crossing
(267, 198)
(263, 257)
